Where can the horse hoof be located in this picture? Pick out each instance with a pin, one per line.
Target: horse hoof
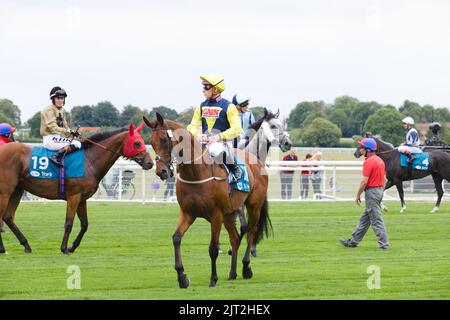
(27, 250)
(435, 209)
(3, 251)
(71, 249)
(65, 251)
(212, 283)
(232, 276)
(247, 273)
(183, 282)
(254, 253)
(402, 210)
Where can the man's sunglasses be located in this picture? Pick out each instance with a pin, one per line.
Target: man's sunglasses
(206, 87)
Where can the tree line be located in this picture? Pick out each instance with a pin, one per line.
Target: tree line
(310, 123)
(316, 123)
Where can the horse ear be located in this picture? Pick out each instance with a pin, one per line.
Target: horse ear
(131, 129)
(277, 114)
(148, 122)
(138, 129)
(160, 119)
(265, 113)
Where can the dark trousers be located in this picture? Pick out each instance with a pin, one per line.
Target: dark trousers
(304, 186)
(286, 185)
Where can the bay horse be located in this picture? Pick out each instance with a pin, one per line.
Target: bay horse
(439, 169)
(203, 191)
(101, 151)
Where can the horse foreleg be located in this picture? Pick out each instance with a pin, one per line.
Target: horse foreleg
(14, 201)
(184, 221)
(72, 205)
(440, 192)
(216, 225)
(82, 215)
(235, 240)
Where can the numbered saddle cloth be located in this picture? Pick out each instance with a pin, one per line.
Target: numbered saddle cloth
(420, 161)
(42, 168)
(243, 184)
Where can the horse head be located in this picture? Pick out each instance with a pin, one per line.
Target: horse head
(273, 129)
(382, 146)
(162, 142)
(134, 148)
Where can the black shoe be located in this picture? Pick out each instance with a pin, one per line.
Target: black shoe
(384, 248)
(348, 243)
(57, 157)
(234, 168)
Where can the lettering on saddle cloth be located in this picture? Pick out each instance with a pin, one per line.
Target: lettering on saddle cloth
(420, 162)
(42, 168)
(243, 184)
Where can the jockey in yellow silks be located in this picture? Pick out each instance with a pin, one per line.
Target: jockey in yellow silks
(216, 122)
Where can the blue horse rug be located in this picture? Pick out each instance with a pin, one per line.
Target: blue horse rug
(42, 168)
(243, 184)
(420, 162)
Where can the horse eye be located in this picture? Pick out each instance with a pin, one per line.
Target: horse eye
(137, 144)
(273, 126)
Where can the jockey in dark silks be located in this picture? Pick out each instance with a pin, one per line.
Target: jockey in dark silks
(6, 136)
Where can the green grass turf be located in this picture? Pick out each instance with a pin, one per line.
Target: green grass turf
(127, 253)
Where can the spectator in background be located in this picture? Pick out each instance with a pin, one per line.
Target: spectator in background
(287, 176)
(170, 187)
(316, 176)
(304, 180)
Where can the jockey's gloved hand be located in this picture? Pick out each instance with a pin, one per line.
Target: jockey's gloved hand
(74, 133)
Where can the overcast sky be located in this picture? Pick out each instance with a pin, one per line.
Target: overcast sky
(151, 53)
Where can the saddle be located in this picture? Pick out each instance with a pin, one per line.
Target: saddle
(243, 184)
(420, 161)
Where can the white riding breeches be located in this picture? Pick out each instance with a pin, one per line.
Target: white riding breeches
(216, 148)
(56, 142)
(409, 149)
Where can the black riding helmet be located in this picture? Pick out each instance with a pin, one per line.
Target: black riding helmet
(435, 127)
(57, 92)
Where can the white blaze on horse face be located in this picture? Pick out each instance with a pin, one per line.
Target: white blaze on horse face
(267, 132)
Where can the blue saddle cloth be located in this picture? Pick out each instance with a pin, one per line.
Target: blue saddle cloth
(420, 162)
(42, 168)
(243, 184)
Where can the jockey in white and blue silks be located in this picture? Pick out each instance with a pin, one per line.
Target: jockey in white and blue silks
(412, 143)
(245, 116)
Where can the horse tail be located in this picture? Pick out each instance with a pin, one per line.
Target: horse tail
(265, 228)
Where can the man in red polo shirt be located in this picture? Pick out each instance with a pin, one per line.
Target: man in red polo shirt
(373, 181)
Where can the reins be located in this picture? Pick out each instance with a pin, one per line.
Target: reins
(120, 154)
(192, 161)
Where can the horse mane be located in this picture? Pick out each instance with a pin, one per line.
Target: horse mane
(257, 124)
(102, 136)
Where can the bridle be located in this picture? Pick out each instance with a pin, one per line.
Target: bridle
(169, 164)
(120, 154)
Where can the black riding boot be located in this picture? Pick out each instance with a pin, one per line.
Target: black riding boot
(57, 157)
(234, 168)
